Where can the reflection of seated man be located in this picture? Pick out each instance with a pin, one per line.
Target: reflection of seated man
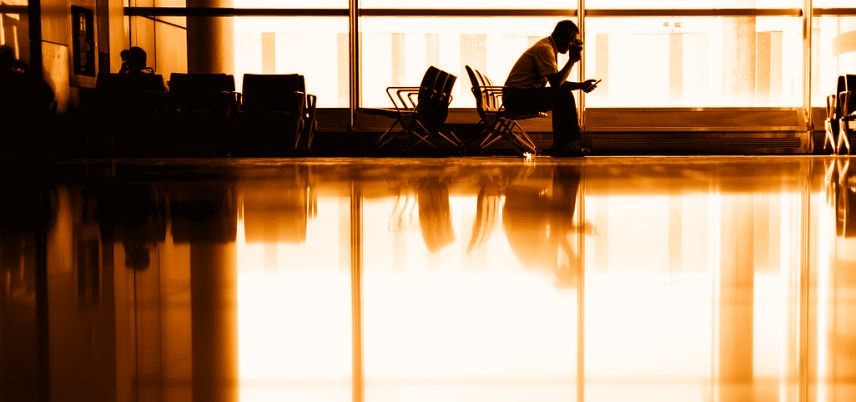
(134, 216)
(540, 226)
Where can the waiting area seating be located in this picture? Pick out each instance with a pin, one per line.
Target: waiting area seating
(199, 114)
(496, 122)
(840, 123)
(276, 110)
(420, 112)
(204, 95)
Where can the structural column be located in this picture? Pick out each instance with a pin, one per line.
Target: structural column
(210, 40)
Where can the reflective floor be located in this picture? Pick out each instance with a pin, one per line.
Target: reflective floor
(449, 279)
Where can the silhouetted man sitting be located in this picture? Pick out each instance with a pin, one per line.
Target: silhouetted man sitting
(527, 90)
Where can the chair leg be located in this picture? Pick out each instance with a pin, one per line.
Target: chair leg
(422, 134)
(388, 135)
(490, 136)
(843, 136)
(522, 137)
(451, 137)
(830, 139)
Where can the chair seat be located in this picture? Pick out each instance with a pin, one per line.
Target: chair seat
(496, 122)
(523, 116)
(383, 111)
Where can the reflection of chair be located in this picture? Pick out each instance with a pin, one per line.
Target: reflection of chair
(839, 113)
(435, 215)
(421, 111)
(845, 200)
(279, 210)
(495, 121)
(279, 101)
(488, 204)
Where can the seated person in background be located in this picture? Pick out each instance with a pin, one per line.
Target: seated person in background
(527, 90)
(134, 61)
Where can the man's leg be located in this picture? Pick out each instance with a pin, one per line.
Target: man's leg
(566, 126)
(527, 100)
(560, 101)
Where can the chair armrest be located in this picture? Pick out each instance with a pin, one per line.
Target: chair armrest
(401, 97)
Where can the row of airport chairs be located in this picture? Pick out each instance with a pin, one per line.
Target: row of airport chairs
(419, 112)
(273, 106)
(278, 106)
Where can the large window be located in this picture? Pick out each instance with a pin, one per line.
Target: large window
(666, 53)
(695, 61)
(396, 51)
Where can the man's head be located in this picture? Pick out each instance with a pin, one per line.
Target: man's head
(135, 58)
(564, 34)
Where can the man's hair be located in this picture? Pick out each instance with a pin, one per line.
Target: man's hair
(565, 30)
(136, 58)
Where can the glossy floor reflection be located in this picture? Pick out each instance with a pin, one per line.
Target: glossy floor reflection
(460, 279)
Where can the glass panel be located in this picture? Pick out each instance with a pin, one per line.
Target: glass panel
(396, 51)
(14, 28)
(694, 61)
(469, 4)
(454, 306)
(832, 3)
(278, 4)
(833, 54)
(315, 47)
(693, 4)
(288, 259)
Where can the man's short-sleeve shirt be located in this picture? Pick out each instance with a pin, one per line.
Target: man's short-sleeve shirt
(534, 65)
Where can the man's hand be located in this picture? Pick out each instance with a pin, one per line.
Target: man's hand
(575, 54)
(589, 85)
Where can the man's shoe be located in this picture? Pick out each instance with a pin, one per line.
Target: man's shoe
(567, 151)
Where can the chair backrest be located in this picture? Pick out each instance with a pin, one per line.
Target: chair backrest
(272, 92)
(129, 93)
(435, 95)
(846, 82)
(201, 90)
(485, 101)
(129, 83)
(845, 91)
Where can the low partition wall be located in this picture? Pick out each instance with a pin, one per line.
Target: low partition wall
(661, 130)
(700, 130)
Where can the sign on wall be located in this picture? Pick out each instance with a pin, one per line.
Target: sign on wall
(83, 41)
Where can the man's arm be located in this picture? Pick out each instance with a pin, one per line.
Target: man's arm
(559, 77)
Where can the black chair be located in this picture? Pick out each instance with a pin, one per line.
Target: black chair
(211, 95)
(839, 113)
(202, 110)
(420, 112)
(278, 104)
(495, 121)
(130, 112)
(133, 93)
